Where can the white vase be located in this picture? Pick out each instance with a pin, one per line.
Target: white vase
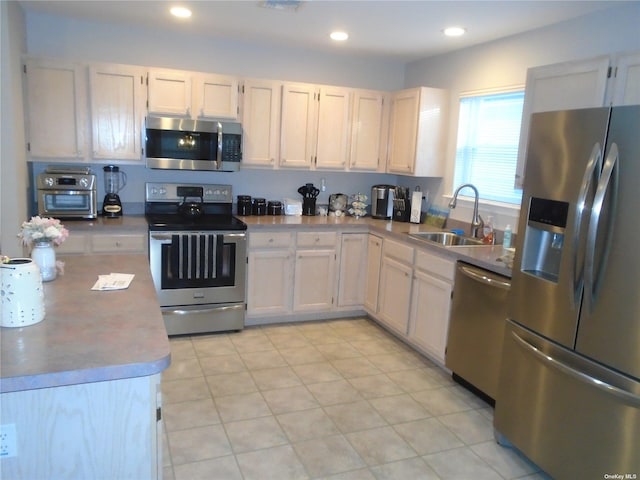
(22, 293)
(44, 255)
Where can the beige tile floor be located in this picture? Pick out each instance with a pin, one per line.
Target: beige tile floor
(338, 399)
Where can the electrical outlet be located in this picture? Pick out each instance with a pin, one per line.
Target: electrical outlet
(8, 445)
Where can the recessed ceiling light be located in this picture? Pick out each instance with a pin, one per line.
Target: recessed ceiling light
(454, 31)
(339, 36)
(180, 12)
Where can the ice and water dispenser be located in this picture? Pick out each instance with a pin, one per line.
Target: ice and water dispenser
(544, 238)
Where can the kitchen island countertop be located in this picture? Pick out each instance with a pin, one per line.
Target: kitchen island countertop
(86, 335)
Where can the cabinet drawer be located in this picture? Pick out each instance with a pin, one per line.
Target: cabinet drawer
(317, 239)
(270, 239)
(397, 250)
(436, 265)
(119, 243)
(74, 244)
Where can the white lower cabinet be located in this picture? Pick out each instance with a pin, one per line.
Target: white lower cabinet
(99, 243)
(395, 285)
(431, 303)
(374, 259)
(270, 273)
(314, 279)
(107, 429)
(353, 269)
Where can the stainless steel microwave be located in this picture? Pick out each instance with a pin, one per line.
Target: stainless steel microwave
(185, 144)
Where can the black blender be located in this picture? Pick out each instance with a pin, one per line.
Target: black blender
(114, 181)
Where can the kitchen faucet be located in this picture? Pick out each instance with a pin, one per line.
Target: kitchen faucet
(476, 222)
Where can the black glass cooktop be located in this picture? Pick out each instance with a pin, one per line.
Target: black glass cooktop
(174, 222)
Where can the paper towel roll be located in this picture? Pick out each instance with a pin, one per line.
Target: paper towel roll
(416, 207)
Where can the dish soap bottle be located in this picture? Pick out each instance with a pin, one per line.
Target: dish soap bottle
(506, 241)
(488, 236)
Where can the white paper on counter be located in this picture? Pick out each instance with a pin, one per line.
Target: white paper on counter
(113, 281)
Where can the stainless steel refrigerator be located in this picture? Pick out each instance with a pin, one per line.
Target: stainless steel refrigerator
(569, 388)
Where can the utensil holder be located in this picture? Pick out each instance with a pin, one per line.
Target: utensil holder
(308, 206)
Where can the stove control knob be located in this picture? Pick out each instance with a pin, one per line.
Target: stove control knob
(84, 182)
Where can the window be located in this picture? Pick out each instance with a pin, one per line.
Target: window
(487, 146)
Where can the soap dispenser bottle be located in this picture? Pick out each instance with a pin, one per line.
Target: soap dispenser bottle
(488, 235)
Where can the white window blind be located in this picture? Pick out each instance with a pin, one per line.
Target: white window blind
(487, 145)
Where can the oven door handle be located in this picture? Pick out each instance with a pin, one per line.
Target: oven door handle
(181, 311)
(161, 237)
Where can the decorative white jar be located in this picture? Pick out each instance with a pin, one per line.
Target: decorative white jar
(22, 293)
(44, 255)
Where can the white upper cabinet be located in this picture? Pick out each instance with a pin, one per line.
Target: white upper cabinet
(417, 133)
(169, 92)
(261, 122)
(367, 137)
(595, 82)
(298, 125)
(626, 83)
(334, 128)
(560, 87)
(117, 96)
(216, 96)
(192, 94)
(56, 109)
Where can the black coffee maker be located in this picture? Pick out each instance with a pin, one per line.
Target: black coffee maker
(114, 181)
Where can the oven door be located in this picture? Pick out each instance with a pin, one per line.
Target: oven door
(67, 203)
(198, 267)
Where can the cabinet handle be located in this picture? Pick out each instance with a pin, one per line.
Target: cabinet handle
(271, 240)
(118, 244)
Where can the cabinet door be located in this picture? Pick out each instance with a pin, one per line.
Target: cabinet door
(261, 123)
(560, 87)
(169, 92)
(269, 282)
(374, 257)
(334, 127)
(353, 269)
(366, 129)
(395, 294)
(314, 280)
(298, 127)
(117, 111)
(627, 81)
(429, 319)
(403, 131)
(56, 109)
(216, 96)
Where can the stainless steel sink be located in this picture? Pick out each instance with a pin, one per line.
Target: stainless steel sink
(447, 239)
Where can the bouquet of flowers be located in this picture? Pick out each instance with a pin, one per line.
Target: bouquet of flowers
(43, 229)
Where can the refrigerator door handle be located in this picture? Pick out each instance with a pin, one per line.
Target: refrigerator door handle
(594, 267)
(485, 279)
(627, 397)
(591, 174)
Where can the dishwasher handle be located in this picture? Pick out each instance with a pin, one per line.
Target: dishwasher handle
(485, 277)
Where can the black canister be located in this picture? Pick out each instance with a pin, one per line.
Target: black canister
(244, 205)
(259, 206)
(274, 208)
(309, 206)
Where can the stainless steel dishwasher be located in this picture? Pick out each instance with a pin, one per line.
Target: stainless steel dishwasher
(476, 328)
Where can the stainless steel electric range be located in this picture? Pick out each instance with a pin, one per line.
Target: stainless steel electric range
(198, 257)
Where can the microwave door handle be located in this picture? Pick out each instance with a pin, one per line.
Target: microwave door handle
(594, 267)
(591, 172)
(219, 151)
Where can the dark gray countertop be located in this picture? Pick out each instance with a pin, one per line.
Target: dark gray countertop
(481, 256)
(86, 335)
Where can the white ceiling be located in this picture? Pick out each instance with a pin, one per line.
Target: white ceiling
(404, 30)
